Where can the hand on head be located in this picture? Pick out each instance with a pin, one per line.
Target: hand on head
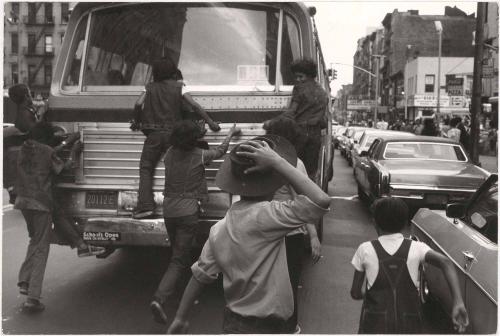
(260, 152)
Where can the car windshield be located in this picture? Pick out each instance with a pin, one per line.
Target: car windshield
(212, 44)
(424, 151)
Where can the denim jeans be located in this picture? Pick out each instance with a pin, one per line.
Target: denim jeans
(295, 249)
(155, 145)
(310, 151)
(33, 268)
(182, 232)
(238, 324)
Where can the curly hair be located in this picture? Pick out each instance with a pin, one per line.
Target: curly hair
(305, 66)
(286, 128)
(186, 134)
(18, 93)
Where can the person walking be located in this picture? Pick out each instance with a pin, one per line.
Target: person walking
(386, 276)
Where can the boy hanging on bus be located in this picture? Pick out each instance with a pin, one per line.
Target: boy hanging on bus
(155, 113)
(185, 189)
(308, 108)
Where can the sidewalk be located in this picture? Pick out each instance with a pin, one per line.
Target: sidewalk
(490, 163)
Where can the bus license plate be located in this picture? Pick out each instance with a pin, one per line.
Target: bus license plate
(101, 200)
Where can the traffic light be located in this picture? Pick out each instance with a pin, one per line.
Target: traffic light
(334, 75)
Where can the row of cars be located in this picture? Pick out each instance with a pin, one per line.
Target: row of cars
(455, 205)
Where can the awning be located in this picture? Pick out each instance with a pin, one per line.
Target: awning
(493, 100)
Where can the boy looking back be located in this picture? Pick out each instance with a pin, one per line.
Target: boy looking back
(248, 245)
(390, 265)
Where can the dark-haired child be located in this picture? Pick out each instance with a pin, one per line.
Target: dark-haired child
(37, 165)
(156, 111)
(390, 265)
(185, 188)
(308, 107)
(27, 113)
(295, 240)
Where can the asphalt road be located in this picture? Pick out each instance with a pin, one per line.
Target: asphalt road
(111, 296)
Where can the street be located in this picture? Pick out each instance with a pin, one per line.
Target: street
(111, 296)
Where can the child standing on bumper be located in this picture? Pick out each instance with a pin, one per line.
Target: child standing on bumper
(185, 187)
(390, 265)
(156, 111)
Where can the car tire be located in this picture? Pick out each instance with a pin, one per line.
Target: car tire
(361, 194)
(432, 311)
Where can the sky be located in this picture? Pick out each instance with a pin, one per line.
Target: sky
(341, 23)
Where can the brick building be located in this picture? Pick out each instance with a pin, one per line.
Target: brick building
(490, 64)
(33, 34)
(409, 35)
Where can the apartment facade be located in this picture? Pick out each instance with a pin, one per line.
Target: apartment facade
(33, 35)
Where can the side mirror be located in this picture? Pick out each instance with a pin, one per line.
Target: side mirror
(455, 210)
(363, 153)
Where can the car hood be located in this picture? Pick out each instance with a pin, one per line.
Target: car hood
(436, 173)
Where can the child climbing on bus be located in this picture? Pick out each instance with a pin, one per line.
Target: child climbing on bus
(155, 113)
(27, 113)
(185, 188)
(390, 265)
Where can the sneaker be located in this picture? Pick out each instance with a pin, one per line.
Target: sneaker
(143, 214)
(297, 329)
(90, 250)
(23, 288)
(158, 313)
(33, 306)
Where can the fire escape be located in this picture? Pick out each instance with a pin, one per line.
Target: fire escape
(44, 24)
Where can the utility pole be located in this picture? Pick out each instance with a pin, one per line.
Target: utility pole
(476, 83)
(439, 29)
(377, 73)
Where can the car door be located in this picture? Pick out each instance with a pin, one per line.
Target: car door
(367, 167)
(481, 286)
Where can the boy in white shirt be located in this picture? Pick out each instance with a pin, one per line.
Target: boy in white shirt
(390, 265)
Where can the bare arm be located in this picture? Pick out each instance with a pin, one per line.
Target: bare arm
(459, 313)
(218, 152)
(201, 112)
(265, 158)
(357, 285)
(180, 324)
(315, 244)
(289, 113)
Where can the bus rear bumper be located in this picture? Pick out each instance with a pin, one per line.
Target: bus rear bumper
(124, 231)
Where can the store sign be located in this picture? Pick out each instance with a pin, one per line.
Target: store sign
(428, 100)
(454, 86)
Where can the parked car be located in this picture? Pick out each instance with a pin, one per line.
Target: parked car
(424, 171)
(351, 142)
(467, 234)
(337, 135)
(367, 138)
(344, 142)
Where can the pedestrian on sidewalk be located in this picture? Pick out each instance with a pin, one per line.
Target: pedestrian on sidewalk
(454, 133)
(295, 240)
(37, 165)
(155, 113)
(185, 189)
(390, 265)
(248, 245)
(429, 128)
(308, 107)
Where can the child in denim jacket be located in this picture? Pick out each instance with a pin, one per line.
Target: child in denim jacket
(156, 111)
(185, 187)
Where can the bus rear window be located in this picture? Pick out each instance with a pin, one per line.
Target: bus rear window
(212, 44)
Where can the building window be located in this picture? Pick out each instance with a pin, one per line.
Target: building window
(31, 74)
(14, 73)
(15, 11)
(31, 12)
(64, 12)
(48, 44)
(49, 16)
(429, 83)
(31, 43)
(48, 74)
(14, 43)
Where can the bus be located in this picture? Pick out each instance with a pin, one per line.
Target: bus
(235, 59)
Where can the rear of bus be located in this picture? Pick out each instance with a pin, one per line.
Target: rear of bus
(235, 59)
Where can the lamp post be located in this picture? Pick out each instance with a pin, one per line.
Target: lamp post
(439, 29)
